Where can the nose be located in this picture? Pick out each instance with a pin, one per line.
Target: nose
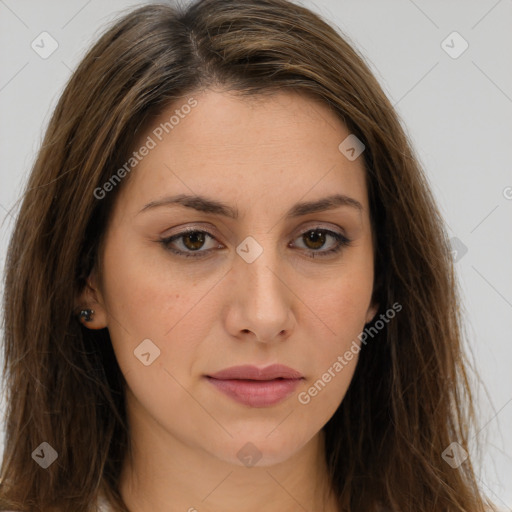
(261, 304)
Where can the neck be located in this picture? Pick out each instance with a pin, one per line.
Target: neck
(161, 472)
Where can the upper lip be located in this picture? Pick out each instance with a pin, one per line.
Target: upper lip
(250, 372)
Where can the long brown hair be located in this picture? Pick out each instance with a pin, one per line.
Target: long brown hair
(409, 398)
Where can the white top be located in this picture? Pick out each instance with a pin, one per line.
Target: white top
(101, 505)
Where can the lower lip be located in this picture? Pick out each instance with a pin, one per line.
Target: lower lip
(262, 393)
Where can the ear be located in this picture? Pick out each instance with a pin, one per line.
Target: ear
(91, 298)
(376, 294)
(372, 311)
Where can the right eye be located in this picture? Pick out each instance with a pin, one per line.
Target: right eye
(191, 241)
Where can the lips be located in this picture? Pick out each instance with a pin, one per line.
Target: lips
(256, 387)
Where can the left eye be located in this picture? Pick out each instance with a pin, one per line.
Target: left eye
(316, 239)
(192, 241)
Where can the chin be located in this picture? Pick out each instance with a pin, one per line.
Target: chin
(259, 449)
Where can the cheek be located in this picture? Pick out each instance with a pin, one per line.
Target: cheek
(341, 307)
(333, 349)
(342, 317)
(155, 316)
(146, 299)
(342, 301)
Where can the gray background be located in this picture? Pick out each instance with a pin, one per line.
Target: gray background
(457, 111)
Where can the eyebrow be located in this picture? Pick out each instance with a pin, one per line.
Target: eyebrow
(212, 206)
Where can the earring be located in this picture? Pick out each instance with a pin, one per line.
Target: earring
(86, 315)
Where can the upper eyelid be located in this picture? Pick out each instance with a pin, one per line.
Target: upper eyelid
(318, 225)
(177, 236)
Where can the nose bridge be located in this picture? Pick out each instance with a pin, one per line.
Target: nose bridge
(259, 262)
(262, 295)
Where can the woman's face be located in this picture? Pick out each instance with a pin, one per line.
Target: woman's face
(260, 280)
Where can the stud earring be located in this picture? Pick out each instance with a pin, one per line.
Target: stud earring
(86, 315)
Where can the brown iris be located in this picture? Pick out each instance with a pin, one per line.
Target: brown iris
(196, 238)
(317, 238)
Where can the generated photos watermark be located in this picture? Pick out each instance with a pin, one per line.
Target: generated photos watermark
(151, 142)
(305, 397)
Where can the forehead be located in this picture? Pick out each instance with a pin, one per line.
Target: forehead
(268, 149)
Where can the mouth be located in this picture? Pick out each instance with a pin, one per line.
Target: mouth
(256, 387)
(256, 393)
(250, 372)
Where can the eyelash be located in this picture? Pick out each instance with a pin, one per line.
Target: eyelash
(342, 242)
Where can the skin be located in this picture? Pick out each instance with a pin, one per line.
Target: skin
(261, 155)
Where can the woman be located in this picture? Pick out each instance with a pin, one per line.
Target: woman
(229, 285)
